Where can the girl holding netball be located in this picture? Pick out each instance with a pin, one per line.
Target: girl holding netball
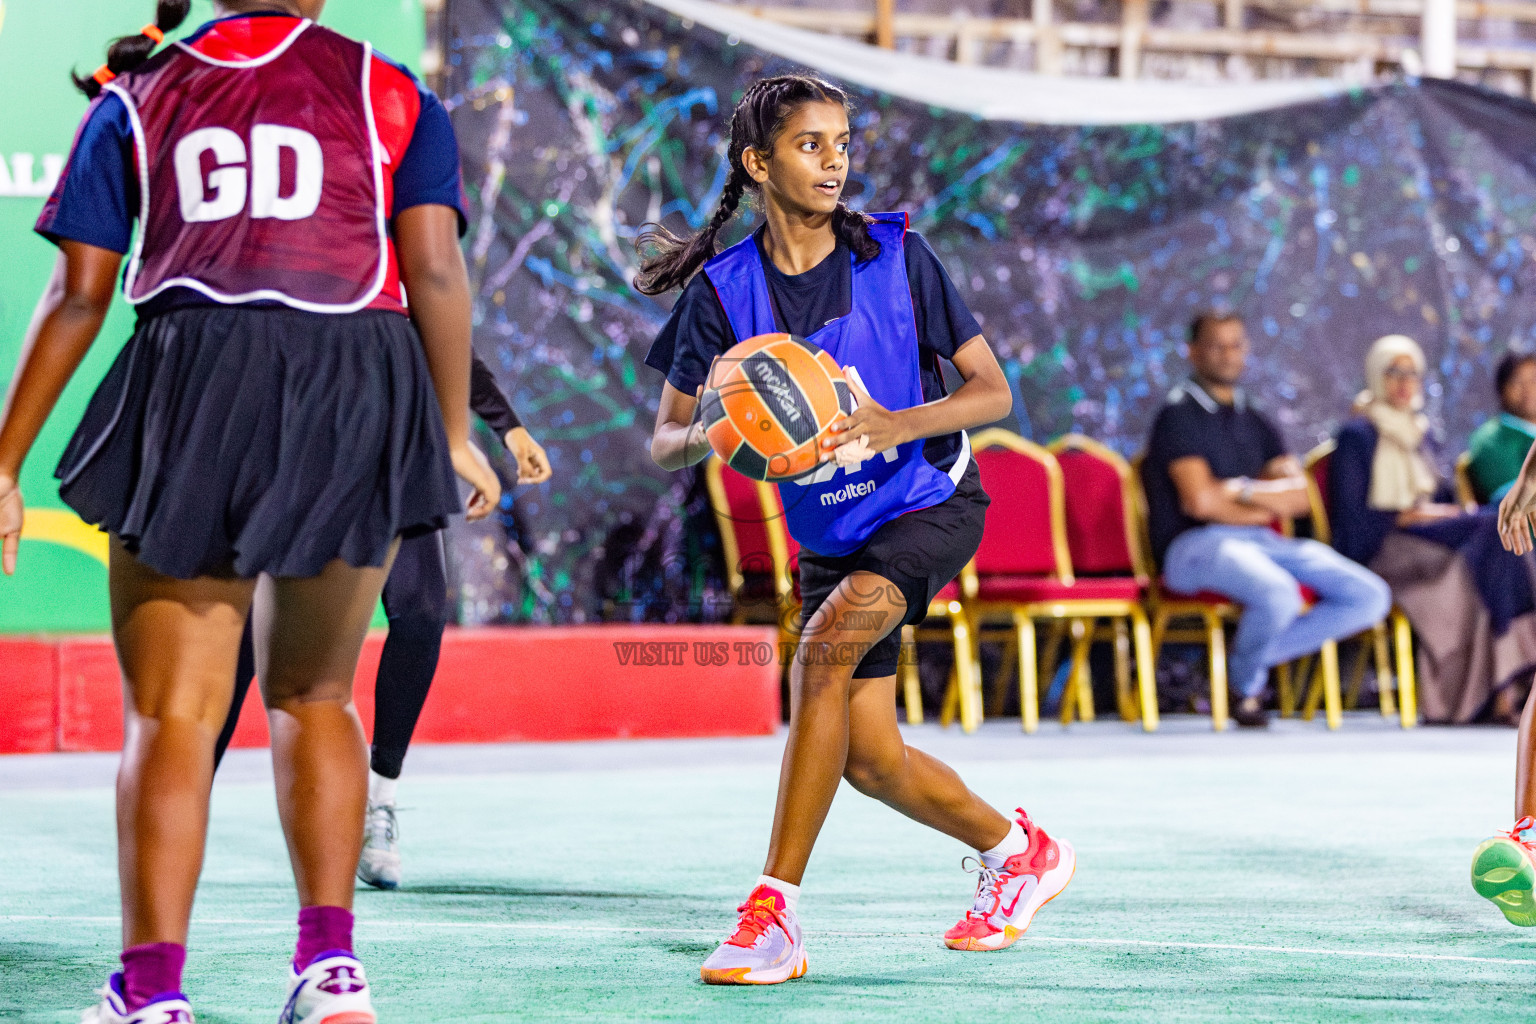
(272, 429)
(874, 296)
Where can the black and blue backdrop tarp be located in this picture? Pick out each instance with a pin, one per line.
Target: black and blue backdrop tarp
(1084, 251)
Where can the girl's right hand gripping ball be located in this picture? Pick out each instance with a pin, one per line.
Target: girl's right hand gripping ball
(773, 398)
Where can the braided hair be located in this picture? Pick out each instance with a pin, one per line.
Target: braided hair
(128, 52)
(668, 261)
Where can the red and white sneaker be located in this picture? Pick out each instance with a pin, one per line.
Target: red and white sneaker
(766, 948)
(1008, 897)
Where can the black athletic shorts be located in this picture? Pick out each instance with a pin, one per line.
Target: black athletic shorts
(919, 552)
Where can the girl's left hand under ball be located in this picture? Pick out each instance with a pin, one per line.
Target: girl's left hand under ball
(870, 423)
(10, 524)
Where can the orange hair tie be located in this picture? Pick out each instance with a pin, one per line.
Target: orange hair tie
(153, 31)
(104, 75)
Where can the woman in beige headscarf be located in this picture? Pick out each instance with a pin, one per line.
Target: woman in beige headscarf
(1403, 480)
(1390, 510)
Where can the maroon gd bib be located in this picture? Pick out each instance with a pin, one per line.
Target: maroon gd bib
(259, 179)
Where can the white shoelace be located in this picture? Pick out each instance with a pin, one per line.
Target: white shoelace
(381, 818)
(987, 880)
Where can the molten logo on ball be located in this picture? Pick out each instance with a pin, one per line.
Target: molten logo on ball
(771, 381)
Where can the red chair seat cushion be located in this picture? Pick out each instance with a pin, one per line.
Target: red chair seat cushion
(1201, 597)
(1035, 589)
(949, 592)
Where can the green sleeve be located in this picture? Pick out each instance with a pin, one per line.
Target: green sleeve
(1497, 453)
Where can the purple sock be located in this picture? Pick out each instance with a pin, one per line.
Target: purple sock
(151, 970)
(322, 930)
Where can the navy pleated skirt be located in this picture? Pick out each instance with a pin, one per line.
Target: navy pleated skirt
(245, 440)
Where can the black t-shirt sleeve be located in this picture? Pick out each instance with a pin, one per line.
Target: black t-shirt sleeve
(944, 321)
(695, 333)
(486, 399)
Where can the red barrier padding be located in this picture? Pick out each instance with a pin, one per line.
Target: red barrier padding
(28, 696)
(493, 685)
(90, 709)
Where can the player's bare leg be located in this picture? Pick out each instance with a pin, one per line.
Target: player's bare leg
(177, 643)
(308, 635)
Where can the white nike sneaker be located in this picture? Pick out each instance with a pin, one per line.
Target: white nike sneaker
(1007, 897)
(766, 948)
(379, 865)
(332, 990)
(171, 1008)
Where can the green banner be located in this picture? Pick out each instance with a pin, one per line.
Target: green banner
(61, 585)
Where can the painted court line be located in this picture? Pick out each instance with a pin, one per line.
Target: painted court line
(702, 933)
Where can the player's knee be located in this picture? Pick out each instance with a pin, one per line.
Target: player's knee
(180, 718)
(873, 776)
(199, 702)
(815, 682)
(284, 688)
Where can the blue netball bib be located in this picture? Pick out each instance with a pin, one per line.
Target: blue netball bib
(835, 511)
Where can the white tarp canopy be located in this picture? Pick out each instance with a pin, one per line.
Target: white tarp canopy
(997, 93)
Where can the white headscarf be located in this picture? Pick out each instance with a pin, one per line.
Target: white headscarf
(1401, 477)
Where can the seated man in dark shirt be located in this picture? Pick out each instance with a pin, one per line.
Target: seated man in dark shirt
(1217, 477)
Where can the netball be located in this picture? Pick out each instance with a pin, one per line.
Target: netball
(774, 397)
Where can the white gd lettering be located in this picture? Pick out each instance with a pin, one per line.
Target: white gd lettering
(224, 192)
(267, 143)
(227, 181)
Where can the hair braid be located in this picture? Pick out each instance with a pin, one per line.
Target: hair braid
(853, 228)
(668, 261)
(674, 260)
(128, 52)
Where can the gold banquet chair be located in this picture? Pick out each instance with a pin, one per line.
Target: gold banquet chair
(1406, 704)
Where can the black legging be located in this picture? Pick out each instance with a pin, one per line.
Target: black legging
(416, 601)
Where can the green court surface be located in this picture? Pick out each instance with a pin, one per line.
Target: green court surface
(1295, 875)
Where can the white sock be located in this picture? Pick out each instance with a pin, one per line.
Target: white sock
(1013, 844)
(791, 893)
(381, 790)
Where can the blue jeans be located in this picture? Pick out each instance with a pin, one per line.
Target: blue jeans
(1260, 570)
